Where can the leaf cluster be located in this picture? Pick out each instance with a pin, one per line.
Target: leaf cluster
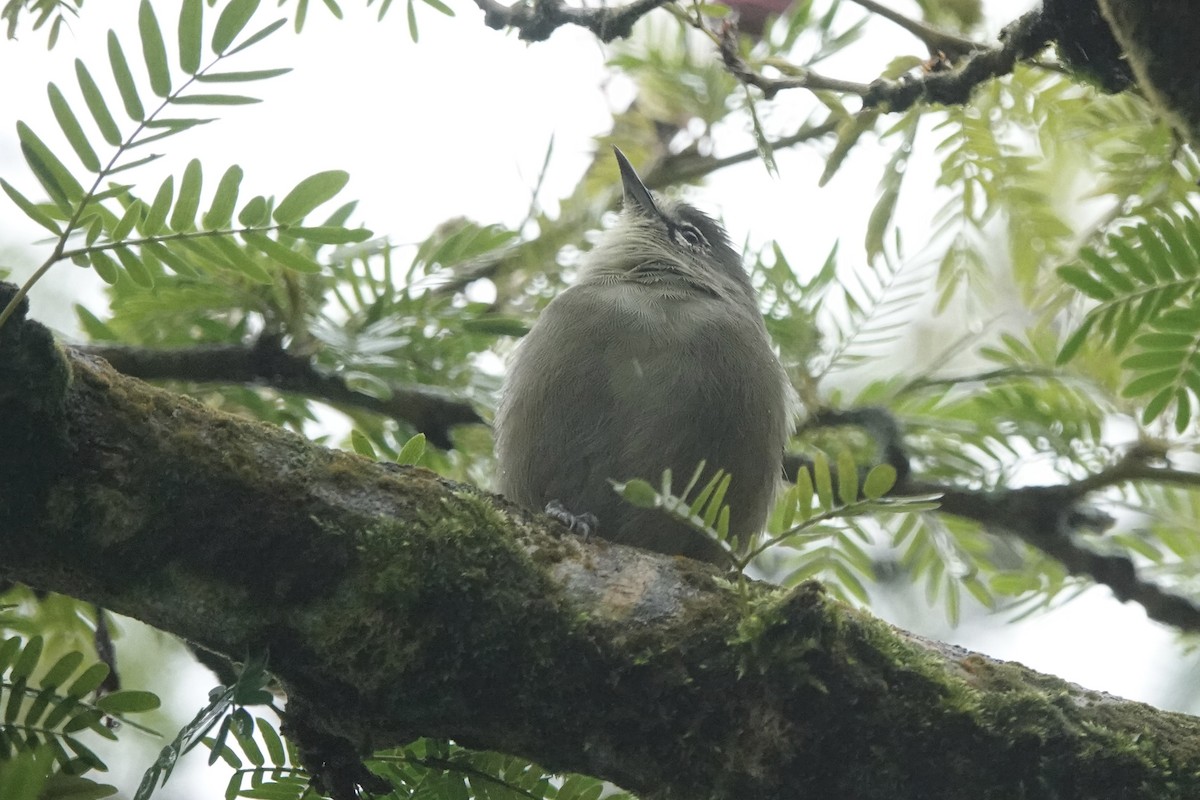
(46, 717)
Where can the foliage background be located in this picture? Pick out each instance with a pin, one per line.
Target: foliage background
(429, 136)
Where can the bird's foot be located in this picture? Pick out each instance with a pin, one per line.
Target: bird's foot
(584, 525)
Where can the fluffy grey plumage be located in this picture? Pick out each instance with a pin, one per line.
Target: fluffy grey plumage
(657, 358)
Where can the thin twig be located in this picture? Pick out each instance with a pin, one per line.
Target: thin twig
(937, 41)
(807, 79)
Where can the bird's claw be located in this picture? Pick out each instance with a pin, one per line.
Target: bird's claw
(583, 525)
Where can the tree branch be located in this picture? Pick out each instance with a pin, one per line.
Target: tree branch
(535, 20)
(1048, 518)
(1023, 39)
(938, 42)
(396, 604)
(807, 79)
(266, 363)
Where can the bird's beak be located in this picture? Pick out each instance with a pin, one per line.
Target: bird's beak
(636, 193)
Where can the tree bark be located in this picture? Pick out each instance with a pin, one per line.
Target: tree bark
(395, 603)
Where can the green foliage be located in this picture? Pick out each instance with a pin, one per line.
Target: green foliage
(56, 12)
(46, 718)
(127, 237)
(225, 711)
(1145, 283)
(267, 767)
(433, 768)
(816, 518)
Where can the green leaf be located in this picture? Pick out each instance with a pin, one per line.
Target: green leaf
(242, 77)
(449, 12)
(157, 216)
(16, 696)
(232, 21)
(702, 497)
(105, 266)
(94, 229)
(183, 218)
(128, 701)
(214, 100)
(495, 325)
(1075, 341)
(72, 129)
(219, 745)
(154, 50)
(254, 213)
(1150, 382)
(823, 480)
(1082, 280)
(134, 164)
(1155, 359)
(638, 492)
(95, 328)
(83, 719)
(240, 260)
(135, 267)
(284, 255)
(60, 712)
(151, 261)
(361, 444)
(176, 262)
(131, 217)
(86, 755)
(258, 37)
(8, 651)
(60, 786)
(92, 677)
(249, 747)
(850, 581)
(55, 178)
(412, 450)
(1183, 410)
(717, 501)
(173, 126)
(27, 661)
(308, 194)
(412, 23)
(31, 210)
(275, 746)
(124, 78)
(191, 35)
(35, 710)
(1157, 405)
(879, 482)
(96, 105)
(847, 477)
(804, 494)
(220, 213)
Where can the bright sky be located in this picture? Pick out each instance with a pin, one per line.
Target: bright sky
(458, 125)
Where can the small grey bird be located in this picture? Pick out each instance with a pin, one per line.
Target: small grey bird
(657, 358)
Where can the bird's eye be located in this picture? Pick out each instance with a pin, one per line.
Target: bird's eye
(691, 236)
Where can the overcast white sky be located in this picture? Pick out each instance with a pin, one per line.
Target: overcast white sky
(458, 125)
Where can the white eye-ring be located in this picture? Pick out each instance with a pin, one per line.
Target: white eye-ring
(691, 235)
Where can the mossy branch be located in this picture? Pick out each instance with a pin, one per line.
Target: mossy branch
(395, 603)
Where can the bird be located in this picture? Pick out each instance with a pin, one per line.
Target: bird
(657, 358)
